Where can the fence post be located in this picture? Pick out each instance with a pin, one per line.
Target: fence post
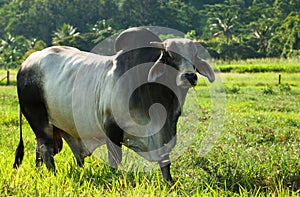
(279, 79)
(7, 76)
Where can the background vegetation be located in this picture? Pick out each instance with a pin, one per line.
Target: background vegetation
(229, 29)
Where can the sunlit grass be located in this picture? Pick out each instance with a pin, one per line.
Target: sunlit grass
(257, 153)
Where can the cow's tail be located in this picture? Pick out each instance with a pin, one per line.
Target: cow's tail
(20, 149)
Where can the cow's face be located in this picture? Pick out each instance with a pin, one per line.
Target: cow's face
(186, 76)
(180, 54)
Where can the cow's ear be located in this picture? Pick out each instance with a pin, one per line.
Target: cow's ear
(204, 69)
(157, 70)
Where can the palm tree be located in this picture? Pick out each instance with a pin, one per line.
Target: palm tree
(65, 31)
(223, 19)
(12, 50)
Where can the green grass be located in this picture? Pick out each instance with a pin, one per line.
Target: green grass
(261, 65)
(257, 154)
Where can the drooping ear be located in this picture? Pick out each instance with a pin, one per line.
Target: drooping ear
(157, 70)
(204, 69)
(202, 66)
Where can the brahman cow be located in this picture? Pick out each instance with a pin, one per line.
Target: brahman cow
(133, 98)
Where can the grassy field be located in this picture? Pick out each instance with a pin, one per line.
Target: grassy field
(261, 65)
(257, 154)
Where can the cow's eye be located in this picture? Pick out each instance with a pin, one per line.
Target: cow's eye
(166, 54)
(165, 57)
(163, 60)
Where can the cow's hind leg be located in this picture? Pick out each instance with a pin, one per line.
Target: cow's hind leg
(45, 153)
(38, 120)
(57, 145)
(34, 110)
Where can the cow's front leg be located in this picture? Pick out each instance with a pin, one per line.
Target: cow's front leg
(114, 154)
(114, 140)
(164, 165)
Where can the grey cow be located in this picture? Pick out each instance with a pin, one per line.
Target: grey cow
(85, 98)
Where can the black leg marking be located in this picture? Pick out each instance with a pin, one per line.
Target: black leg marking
(45, 147)
(57, 145)
(38, 157)
(165, 168)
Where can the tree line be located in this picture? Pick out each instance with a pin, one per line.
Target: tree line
(229, 29)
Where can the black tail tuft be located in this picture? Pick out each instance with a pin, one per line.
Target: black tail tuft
(20, 149)
(19, 154)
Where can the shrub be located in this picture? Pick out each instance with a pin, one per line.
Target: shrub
(235, 89)
(286, 88)
(268, 90)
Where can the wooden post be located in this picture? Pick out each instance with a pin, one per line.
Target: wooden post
(7, 76)
(279, 79)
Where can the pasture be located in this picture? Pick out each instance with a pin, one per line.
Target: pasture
(257, 153)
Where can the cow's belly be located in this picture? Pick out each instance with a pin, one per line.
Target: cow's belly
(61, 115)
(58, 96)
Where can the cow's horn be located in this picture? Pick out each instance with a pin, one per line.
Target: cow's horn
(157, 44)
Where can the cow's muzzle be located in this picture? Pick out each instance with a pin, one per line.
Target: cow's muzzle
(188, 79)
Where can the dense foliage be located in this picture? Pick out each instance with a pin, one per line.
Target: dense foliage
(229, 29)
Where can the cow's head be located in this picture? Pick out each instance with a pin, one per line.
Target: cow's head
(180, 54)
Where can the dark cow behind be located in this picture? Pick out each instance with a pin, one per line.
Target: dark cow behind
(83, 98)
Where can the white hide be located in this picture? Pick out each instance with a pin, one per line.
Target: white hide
(71, 80)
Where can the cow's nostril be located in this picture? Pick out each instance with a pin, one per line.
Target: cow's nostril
(190, 77)
(194, 76)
